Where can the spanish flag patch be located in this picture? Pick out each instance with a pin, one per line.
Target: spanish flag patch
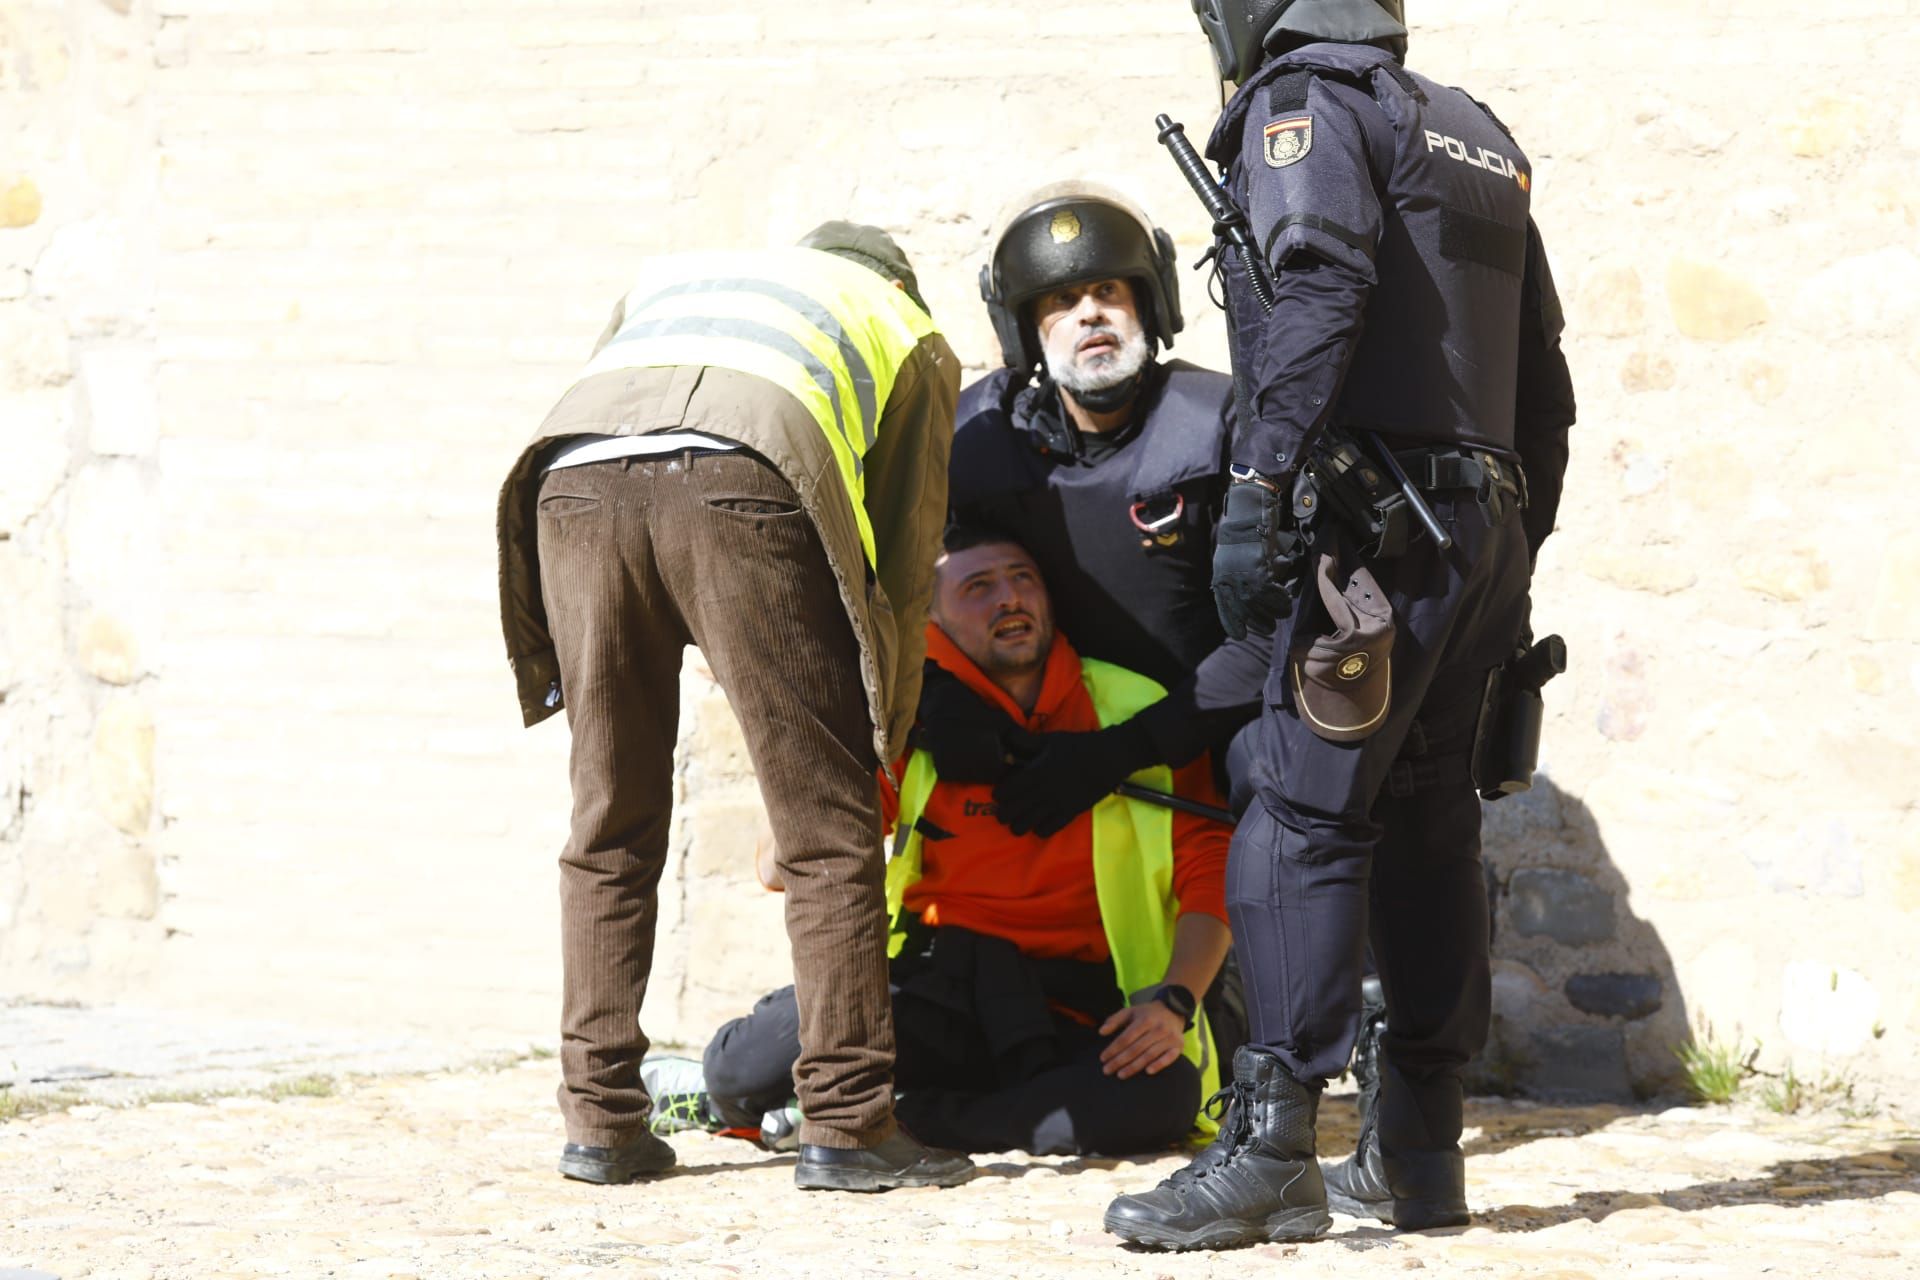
(1289, 140)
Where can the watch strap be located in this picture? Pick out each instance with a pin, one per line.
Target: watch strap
(1179, 999)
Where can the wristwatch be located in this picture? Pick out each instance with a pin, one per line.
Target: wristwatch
(1178, 999)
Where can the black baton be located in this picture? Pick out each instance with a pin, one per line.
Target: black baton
(1228, 221)
(1440, 536)
(1131, 791)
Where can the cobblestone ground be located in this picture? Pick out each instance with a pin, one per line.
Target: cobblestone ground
(452, 1175)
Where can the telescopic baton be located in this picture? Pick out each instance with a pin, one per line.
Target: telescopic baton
(1215, 813)
(1230, 224)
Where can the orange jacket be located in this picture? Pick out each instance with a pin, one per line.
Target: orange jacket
(1038, 892)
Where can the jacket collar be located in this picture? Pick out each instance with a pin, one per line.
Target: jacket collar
(1357, 61)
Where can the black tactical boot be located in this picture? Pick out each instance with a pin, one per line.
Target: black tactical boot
(1429, 1189)
(1431, 1185)
(1366, 1049)
(1357, 1186)
(1422, 1186)
(1257, 1181)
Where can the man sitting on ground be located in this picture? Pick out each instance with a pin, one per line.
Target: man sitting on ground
(1043, 987)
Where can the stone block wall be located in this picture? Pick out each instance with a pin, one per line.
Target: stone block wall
(282, 290)
(79, 519)
(1726, 829)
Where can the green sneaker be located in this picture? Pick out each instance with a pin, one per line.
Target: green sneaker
(678, 1087)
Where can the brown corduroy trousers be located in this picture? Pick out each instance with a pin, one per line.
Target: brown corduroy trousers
(639, 558)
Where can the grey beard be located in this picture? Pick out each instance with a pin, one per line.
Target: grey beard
(1118, 371)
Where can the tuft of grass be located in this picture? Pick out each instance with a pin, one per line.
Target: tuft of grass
(304, 1087)
(1715, 1068)
(199, 1097)
(541, 1052)
(1788, 1093)
(24, 1106)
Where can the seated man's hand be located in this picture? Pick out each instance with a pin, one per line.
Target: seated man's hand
(1068, 775)
(970, 739)
(1149, 1038)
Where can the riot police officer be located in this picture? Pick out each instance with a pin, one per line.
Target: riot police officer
(1412, 300)
(1108, 463)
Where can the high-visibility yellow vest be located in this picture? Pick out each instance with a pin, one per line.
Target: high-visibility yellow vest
(831, 332)
(1132, 864)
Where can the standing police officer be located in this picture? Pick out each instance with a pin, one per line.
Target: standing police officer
(1109, 466)
(1413, 299)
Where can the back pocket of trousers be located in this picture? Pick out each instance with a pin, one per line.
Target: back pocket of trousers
(567, 504)
(748, 506)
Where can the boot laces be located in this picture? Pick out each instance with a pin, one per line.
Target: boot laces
(1221, 1106)
(1232, 1106)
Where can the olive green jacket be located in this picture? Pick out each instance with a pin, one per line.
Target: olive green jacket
(906, 502)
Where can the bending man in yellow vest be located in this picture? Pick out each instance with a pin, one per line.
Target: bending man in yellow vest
(1044, 986)
(754, 462)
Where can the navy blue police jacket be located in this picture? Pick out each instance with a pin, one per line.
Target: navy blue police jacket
(1413, 292)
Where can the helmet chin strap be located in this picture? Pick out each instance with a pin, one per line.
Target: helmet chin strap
(1108, 399)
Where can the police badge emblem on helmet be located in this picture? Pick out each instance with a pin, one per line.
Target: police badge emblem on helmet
(1065, 227)
(1289, 140)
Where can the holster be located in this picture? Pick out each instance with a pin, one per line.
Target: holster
(1506, 741)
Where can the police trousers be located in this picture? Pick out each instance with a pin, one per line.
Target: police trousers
(1378, 841)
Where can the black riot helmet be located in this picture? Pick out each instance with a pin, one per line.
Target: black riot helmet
(1243, 32)
(1067, 233)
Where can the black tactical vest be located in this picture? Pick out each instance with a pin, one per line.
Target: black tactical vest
(1437, 358)
(1138, 598)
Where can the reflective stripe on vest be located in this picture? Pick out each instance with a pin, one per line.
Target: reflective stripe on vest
(1132, 864)
(828, 331)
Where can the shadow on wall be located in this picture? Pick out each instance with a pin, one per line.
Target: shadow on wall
(1585, 1002)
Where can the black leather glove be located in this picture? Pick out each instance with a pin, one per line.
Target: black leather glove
(969, 738)
(1068, 775)
(1256, 559)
